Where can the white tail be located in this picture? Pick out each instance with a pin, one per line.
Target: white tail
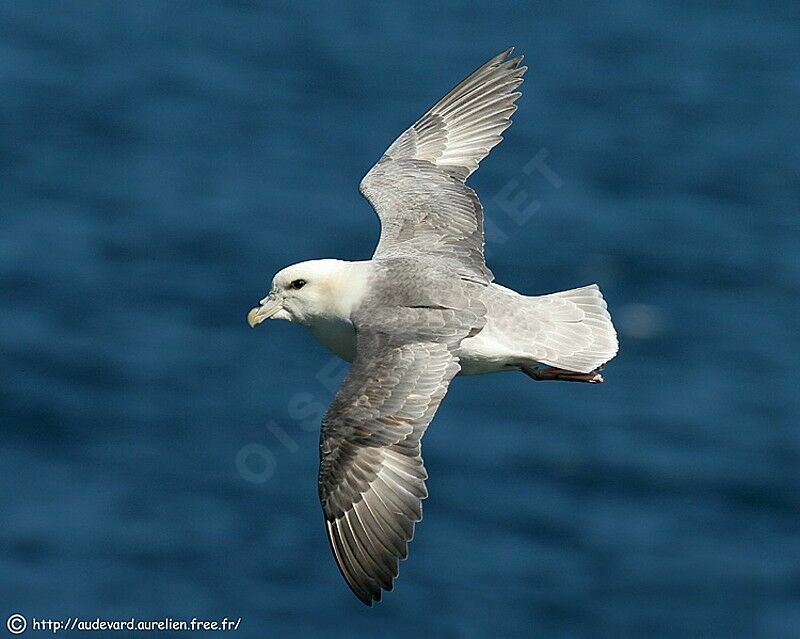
(574, 329)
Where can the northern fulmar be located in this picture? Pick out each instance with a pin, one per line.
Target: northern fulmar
(424, 309)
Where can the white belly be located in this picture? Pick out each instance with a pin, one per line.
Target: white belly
(485, 354)
(480, 354)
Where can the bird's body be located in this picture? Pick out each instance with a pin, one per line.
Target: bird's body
(516, 328)
(424, 309)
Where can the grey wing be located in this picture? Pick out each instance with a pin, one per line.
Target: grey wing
(372, 478)
(417, 187)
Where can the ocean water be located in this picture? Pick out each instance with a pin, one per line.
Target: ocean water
(160, 161)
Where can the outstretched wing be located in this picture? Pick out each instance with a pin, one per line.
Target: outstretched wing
(372, 478)
(417, 187)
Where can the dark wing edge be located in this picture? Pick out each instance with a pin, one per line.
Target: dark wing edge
(372, 477)
(465, 125)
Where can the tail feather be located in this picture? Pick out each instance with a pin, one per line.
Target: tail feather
(574, 329)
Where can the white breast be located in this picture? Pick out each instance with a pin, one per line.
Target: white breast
(337, 335)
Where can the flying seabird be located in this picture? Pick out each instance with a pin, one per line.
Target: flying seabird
(424, 309)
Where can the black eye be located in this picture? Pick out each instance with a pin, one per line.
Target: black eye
(297, 284)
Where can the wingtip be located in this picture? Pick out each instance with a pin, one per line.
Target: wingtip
(500, 58)
(366, 599)
(505, 60)
(506, 56)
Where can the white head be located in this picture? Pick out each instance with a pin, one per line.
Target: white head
(307, 291)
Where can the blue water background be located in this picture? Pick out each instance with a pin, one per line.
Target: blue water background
(160, 161)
